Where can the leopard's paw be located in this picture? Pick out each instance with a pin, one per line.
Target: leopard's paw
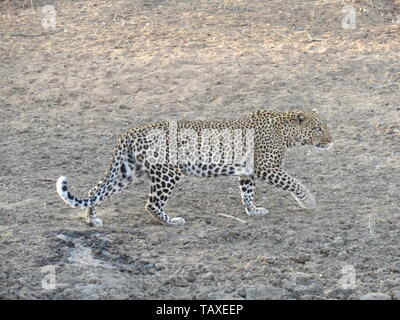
(307, 201)
(96, 222)
(177, 221)
(257, 212)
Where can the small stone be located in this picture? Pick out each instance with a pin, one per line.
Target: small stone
(176, 281)
(263, 292)
(395, 268)
(324, 251)
(202, 234)
(338, 242)
(339, 293)
(396, 295)
(158, 267)
(301, 258)
(146, 255)
(153, 254)
(229, 288)
(209, 276)
(300, 288)
(242, 292)
(375, 296)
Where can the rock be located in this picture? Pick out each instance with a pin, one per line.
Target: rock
(209, 276)
(153, 254)
(300, 288)
(297, 291)
(395, 268)
(310, 297)
(146, 255)
(176, 281)
(205, 293)
(396, 295)
(191, 277)
(301, 258)
(229, 288)
(375, 296)
(202, 234)
(242, 292)
(302, 279)
(338, 242)
(158, 266)
(339, 293)
(263, 292)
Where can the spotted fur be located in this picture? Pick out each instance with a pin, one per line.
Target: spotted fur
(138, 152)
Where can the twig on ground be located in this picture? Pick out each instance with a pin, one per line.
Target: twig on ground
(152, 23)
(232, 217)
(315, 39)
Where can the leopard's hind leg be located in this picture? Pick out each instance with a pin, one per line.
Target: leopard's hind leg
(163, 180)
(91, 218)
(247, 190)
(117, 179)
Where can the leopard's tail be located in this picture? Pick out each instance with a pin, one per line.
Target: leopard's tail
(122, 169)
(71, 200)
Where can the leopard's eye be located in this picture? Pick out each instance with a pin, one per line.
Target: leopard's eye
(319, 129)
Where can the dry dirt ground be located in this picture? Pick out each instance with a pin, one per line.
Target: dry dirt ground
(67, 93)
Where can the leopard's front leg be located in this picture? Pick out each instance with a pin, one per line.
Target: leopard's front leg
(280, 179)
(91, 218)
(163, 180)
(247, 191)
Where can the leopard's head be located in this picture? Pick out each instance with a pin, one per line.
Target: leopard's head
(312, 130)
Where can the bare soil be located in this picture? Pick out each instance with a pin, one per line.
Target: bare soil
(67, 94)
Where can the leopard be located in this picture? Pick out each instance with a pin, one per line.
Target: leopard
(163, 152)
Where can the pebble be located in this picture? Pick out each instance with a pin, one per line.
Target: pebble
(300, 288)
(263, 292)
(301, 258)
(176, 281)
(396, 295)
(146, 255)
(338, 242)
(242, 292)
(339, 293)
(158, 267)
(209, 276)
(153, 254)
(375, 296)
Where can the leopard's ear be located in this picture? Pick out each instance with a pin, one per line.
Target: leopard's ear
(300, 117)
